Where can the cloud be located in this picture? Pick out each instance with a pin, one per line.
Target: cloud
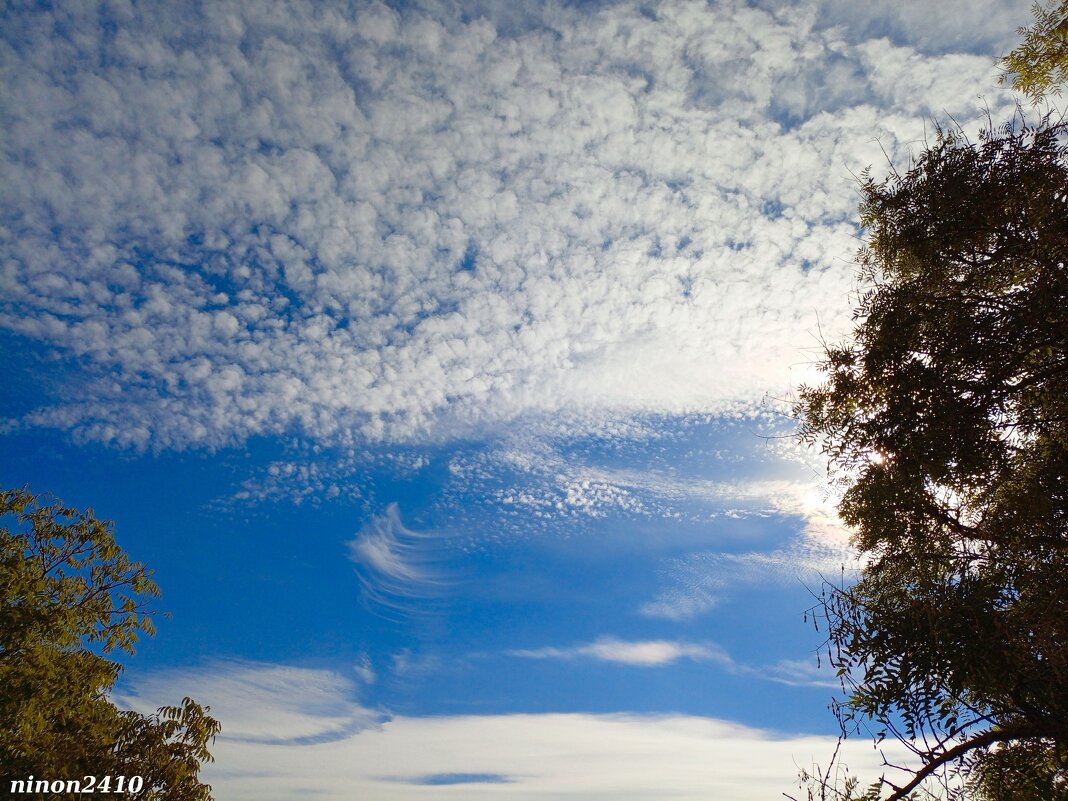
(544, 757)
(699, 582)
(260, 702)
(661, 653)
(368, 224)
(365, 670)
(691, 468)
(963, 26)
(798, 673)
(294, 733)
(397, 567)
(692, 477)
(647, 653)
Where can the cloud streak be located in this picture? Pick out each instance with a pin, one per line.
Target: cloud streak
(663, 653)
(646, 653)
(626, 757)
(698, 582)
(399, 569)
(260, 702)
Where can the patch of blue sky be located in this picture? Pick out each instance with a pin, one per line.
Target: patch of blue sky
(445, 779)
(275, 586)
(33, 374)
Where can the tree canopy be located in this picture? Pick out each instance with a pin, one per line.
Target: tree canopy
(946, 420)
(69, 599)
(1040, 64)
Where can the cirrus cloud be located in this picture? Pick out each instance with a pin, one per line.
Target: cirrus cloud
(646, 653)
(398, 567)
(260, 702)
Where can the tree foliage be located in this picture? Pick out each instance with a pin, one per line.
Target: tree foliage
(1040, 64)
(69, 599)
(946, 420)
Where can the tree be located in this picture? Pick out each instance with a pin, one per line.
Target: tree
(945, 419)
(69, 598)
(1040, 64)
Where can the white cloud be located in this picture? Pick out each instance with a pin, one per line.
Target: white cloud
(646, 653)
(661, 653)
(969, 26)
(545, 757)
(362, 223)
(534, 477)
(534, 757)
(260, 702)
(397, 565)
(572, 470)
(799, 673)
(699, 582)
(365, 670)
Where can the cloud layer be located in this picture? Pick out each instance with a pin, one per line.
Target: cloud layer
(360, 223)
(534, 757)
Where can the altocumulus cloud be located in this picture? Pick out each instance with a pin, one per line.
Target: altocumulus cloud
(364, 224)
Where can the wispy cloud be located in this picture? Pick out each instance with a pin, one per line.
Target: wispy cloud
(799, 673)
(399, 569)
(365, 669)
(661, 653)
(645, 653)
(368, 223)
(698, 582)
(261, 702)
(537, 480)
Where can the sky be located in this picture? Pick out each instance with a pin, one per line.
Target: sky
(438, 357)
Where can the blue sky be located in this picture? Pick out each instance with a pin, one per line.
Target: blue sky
(438, 358)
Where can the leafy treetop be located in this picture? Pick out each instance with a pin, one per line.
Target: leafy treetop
(1040, 64)
(70, 598)
(946, 420)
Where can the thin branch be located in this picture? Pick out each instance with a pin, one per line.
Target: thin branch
(959, 750)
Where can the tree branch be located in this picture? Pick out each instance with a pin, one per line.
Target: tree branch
(979, 741)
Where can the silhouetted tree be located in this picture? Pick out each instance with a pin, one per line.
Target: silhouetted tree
(945, 418)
